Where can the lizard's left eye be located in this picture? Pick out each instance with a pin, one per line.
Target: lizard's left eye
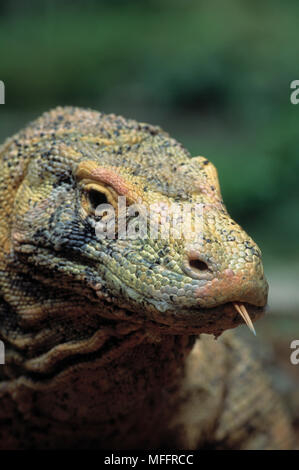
(96, 198)
(94, 195)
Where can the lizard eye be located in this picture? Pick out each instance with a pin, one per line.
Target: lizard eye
(95, 195)
(96, 198)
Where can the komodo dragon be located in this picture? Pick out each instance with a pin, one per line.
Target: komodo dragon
(109, 342)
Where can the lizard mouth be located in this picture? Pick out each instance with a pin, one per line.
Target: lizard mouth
(213, 320)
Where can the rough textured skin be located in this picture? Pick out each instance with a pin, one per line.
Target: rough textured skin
(101, 336)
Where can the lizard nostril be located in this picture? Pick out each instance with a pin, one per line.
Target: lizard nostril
(198, 265)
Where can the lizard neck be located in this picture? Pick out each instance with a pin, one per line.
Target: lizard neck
(122, 383)
(129, 401)
(133, 397)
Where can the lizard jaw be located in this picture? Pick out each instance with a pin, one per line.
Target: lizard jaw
(213, 320)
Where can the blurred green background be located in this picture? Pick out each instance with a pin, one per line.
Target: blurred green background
(216, 75)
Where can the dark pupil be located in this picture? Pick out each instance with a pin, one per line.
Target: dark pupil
(96, 198)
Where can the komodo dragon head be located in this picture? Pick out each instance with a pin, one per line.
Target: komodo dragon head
(67, 163)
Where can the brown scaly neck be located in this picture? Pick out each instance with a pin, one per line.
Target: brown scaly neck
(137, 392)
(128, 401)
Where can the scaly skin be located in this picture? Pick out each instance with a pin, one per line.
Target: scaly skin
(101, 334)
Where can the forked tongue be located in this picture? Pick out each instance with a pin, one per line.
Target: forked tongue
(244, 314)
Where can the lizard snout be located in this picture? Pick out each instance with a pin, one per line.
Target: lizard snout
(240, 280)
